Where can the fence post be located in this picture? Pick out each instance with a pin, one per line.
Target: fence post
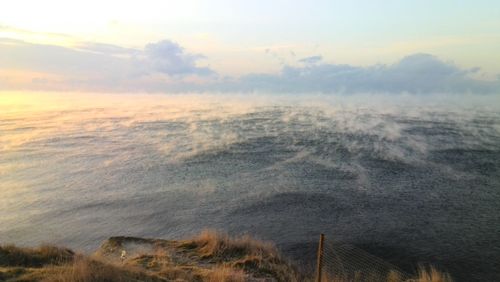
(319, 263)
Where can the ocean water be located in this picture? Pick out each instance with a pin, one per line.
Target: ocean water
(407, 178)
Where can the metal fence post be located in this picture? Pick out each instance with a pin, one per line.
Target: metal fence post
(319, 263)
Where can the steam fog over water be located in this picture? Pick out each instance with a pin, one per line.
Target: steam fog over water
(409, 179)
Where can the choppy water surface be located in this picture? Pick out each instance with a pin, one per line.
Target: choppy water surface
(410, 179)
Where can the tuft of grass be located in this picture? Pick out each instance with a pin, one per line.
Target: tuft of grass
(431, 274)
(34, 257)
(84, 269)
(8, 274)
(180, 273)
(210, 256)
(222, 273)
(259, 258)
(217, 245)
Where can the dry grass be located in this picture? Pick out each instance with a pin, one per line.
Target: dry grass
(213, 244)
(84, 269)
(226, 274)
(49, 263)
(161, 265)
(431, 274)
(209, 257)
(34, 257)
(259, 258)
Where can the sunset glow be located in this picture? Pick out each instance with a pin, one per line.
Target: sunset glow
(231, 40)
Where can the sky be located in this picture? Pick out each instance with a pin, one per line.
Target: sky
(390, 46)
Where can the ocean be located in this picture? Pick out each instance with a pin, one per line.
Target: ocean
(408, 178)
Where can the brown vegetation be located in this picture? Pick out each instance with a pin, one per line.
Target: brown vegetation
(210, 256)
(34, 257)
(431, 274)
(260, 259)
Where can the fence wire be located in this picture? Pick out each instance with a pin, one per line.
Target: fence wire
(347, 263)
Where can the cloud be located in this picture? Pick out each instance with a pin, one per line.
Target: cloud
(99, 66)
(311, 60)
(165, 66)
(20, 55)
(107, 49)
(168, 57)
(418, 74)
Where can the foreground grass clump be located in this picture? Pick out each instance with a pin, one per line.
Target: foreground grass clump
(84, 269)
(216, 245)
(431, 274)
(34, 257)
(259, 258)
(209, 257)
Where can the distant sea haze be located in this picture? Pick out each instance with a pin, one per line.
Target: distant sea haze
(408, 178)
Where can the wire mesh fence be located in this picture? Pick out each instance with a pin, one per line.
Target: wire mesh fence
(347, 263)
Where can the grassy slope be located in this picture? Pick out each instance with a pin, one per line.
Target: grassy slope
(210, 256)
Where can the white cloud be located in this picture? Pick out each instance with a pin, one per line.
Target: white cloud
(311, 60)
(104, 67)
(107, 49)
(169, 57)
(418, 73)
(166, 66)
